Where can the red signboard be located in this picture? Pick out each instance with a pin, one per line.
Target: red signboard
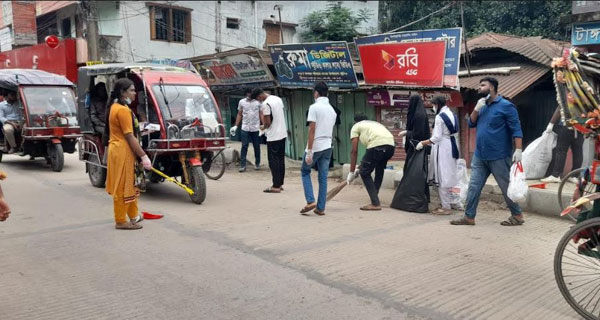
(416, 64)
(61, 60)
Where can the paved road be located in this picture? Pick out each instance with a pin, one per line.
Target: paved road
(246, 254)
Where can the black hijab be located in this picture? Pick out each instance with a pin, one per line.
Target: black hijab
(417, 124)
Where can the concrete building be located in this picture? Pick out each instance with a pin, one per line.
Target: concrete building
(141, 31)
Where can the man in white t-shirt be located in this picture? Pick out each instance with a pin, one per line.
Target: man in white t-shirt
(321, 119)
(248, 116)
(273, 119)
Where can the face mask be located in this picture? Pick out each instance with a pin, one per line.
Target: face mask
(434, 109)
(127, 100)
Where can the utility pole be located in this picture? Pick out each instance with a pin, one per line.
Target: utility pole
(278, 8)
(91, 20)
(218, 26)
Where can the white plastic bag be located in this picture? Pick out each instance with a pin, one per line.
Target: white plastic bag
(463, 179)
(538, 155)
(517, 188)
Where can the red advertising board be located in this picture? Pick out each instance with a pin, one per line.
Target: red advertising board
(416, 64)
(60, 60)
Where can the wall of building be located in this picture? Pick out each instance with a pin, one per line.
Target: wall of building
(209, 33)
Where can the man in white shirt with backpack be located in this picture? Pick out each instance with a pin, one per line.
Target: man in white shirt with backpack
(321, 119)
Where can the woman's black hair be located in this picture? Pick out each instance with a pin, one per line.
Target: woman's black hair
(115, 95)
(440, 102)
(119, 88)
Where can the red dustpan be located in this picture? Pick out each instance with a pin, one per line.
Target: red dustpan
(150, 216)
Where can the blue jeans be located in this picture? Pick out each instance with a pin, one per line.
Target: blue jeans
(321, 161)
(248, 137)
(480, 171)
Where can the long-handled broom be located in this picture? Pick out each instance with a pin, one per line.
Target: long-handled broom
(333, 192)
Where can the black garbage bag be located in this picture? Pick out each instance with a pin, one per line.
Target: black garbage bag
(412, 193)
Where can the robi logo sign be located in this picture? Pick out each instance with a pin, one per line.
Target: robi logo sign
(389, 60)
(410, 58)
(398, 63)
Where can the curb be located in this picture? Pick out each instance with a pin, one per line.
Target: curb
(539, 201)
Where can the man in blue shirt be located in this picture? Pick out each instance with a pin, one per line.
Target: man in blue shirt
(498, 126)
(11, 118)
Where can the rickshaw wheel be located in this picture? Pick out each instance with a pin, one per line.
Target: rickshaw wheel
(198, 184)
(567, 187)
(215, 168)
(577, 268)
(96, 173)
(57, 156)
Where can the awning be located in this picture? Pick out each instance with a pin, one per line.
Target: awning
(510, 85)
(11, 78)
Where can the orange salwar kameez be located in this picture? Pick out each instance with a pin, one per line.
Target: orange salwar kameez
(120, 179)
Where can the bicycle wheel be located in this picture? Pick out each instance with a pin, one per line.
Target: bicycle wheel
(577, 268)
(568, 188)
(214, 168)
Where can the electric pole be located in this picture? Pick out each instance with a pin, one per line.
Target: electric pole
(278, 8)
(91, 20)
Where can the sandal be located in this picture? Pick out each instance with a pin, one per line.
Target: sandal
(512, 221)
(309, 207)
(464, 221)
(128, 226)
(441, 212)
(271, 190)
(319, 212)
(370, 207)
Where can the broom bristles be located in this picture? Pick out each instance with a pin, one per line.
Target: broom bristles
(333, 192)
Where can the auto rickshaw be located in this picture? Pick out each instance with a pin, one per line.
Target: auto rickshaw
(180, 123)
(49, 124)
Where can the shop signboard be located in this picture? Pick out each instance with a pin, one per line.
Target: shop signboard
(235, 71)
(584, 34)
(302, 65)
(399, 98)
(418, 64)
(452, 36)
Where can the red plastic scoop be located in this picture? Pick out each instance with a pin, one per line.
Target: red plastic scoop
(150, 216)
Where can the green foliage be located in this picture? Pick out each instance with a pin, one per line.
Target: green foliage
(523, 18)
(336, 23)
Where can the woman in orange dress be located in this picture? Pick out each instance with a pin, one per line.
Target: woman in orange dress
(123, 147)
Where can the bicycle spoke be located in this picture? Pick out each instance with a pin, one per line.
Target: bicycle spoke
(592, 299)
(595, 288)
(578, 265)
(586, 258)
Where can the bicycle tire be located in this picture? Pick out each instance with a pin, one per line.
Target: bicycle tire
(558, 270)
(575, 173)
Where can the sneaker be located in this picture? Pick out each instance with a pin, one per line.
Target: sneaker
(573, 180)
(551, 179)
(243, 169)
(137, 219)
(257, 167)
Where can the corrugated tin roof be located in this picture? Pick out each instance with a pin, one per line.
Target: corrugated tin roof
(264, 54)
(512, 84)
(534, 48)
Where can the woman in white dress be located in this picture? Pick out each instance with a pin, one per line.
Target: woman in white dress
(444, 153)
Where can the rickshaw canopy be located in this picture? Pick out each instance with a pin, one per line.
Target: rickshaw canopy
(11, 79)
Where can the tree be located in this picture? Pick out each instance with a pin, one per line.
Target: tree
(336, 23)
(522, 18)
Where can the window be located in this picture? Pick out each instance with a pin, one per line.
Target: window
(66, 28)
(170, 23)
(233, 23)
